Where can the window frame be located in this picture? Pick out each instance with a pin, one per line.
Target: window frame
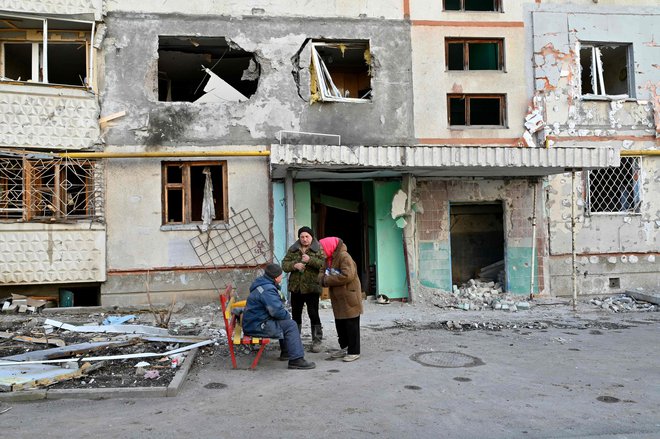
(497, 3)
(46, 192)
(598, 81)
(636, 193)
(470, 96)
(322, 87)
(186, 192)
(466, 53)
(41, 38)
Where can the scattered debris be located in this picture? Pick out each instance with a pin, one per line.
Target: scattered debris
(121, 329)
(477, 295)
(117, 320)
(623, 303)
(152, 374)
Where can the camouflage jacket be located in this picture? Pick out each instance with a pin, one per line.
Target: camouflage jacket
(305, 281)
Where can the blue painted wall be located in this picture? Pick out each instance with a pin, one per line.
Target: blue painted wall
(435, 265)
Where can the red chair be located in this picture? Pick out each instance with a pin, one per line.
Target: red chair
(231, 313)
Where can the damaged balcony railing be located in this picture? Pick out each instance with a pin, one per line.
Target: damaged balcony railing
(34, 188)
(233, 253)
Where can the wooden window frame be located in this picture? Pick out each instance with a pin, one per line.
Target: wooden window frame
(186, 191)
(466, 53)
(470, 96)
(498, 7)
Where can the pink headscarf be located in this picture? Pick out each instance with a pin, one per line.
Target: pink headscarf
(329, 246)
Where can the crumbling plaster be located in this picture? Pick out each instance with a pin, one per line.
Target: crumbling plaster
(130, 83)
(556, 39)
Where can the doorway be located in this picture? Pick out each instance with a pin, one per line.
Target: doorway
(345, 209)
(477, 242)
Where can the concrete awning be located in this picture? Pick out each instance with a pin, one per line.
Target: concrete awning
(325, 161)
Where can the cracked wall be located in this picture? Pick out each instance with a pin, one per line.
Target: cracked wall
(433, 229)
(131, 85)
(622, 247)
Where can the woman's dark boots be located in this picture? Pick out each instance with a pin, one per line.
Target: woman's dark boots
(317, 336)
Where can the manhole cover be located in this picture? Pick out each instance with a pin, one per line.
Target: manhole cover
(446, 359)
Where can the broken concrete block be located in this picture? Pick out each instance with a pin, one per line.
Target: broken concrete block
(5, 306)
(522, 305)
(22, 308)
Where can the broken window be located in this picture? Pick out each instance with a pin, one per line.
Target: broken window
(194, 192)
(616, 189)
(49, 189)
(472, 5)
(51, 51)
(204, 69)
(604, 69)
(476, 110)
(341, 71)
(474, 54)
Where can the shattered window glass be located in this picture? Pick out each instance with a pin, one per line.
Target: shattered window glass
(194, 192)
(604, 69)
(341, 71)
(616, 190)
(65, 59)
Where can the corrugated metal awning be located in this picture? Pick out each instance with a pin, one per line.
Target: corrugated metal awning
(323, 161)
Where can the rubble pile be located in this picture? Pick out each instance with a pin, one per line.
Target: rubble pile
(476, 295)
(623, 303)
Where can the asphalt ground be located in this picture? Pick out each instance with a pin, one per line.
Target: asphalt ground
(548, 372)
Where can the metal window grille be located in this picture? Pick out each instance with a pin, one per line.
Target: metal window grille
(616, 190)
(50, 189)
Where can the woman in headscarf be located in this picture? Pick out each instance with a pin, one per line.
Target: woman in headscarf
(341, 277)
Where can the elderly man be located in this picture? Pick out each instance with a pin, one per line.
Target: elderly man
(265, 316)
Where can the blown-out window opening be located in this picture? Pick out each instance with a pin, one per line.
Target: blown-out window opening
(605, 69)
(476, 110)
(341, 71)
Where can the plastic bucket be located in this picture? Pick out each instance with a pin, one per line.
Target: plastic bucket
(66, 298)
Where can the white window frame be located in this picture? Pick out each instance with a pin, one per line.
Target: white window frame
(328, 91)
(41, 59)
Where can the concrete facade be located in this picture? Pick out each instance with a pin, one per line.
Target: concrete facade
(615, 250)
(468, 179)
(52, 233)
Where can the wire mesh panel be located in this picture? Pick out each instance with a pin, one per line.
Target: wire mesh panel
(616, 190)
(234, 253)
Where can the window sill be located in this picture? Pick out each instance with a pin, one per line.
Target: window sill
(607, 98)
(38, 88)
(192, 226)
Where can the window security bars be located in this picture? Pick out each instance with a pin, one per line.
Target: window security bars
(616, 190)
(50, 189)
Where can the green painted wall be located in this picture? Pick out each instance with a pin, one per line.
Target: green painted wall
(390, 266)
(518, 269)
(303, 205)
(368, 196)
(435, 265)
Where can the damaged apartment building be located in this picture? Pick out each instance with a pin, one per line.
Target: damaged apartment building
(439, 139)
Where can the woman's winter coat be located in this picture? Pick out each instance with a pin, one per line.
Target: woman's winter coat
(264, 306)
(305, 281)
(345, 287)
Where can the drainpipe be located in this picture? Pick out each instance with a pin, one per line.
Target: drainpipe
(151, 154)
(573, 254)
(531, 280)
